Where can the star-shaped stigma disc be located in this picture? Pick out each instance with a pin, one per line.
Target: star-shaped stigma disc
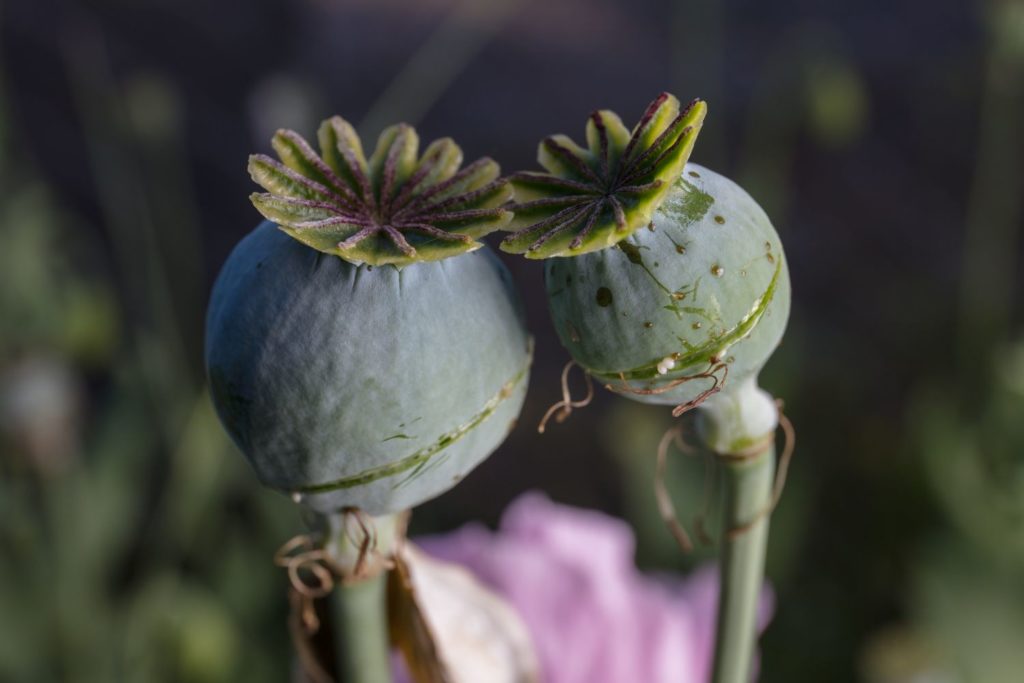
(396, 207)
(593, 198)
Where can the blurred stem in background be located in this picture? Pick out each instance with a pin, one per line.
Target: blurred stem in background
(428, 72)
(157, 336)
(988, 281)
(994, 204)
(697, 68)
(966, 601)
(124, 562)
(149, 212)
(810, 67)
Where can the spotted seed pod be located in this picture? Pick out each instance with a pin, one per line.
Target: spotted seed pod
(363, 349)
(667, 280)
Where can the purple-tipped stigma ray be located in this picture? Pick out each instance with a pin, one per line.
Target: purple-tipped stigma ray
(427, 229)
(387, 185)
(641, 125)
(595, 211)
(293, 201)
(558, 229)
(470, 197)
(551, 201)
(313, 159)
(574, 161)
(426, 165)
(356, 238)
(400, 241)
(552, 220)
(620, 213)
(358, 171)
(670, 132)
(443, 186)
(296, 177)
(334, 220)
(641, 168)
(451, 216)
(542, 179)
(640, 189)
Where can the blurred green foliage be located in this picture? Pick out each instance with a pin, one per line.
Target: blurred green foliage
(133, 543)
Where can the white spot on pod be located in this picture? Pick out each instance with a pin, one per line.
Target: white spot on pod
(666, 364)
(296, 497)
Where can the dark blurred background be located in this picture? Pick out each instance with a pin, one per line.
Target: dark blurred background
(884, 139)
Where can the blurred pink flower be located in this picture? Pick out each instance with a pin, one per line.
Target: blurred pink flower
(593, 617)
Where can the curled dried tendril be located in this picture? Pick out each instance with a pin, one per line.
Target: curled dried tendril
(397, 207)
(563, 408)
(666, 508)
(781, 472)
(313, 574)
(715, 366)
(593, 198)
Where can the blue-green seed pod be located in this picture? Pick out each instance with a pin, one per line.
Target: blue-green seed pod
(704, 284)
(666, 281)
(377, 368)
(349, 385)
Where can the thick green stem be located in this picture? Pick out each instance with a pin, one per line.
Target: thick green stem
(361, 631)
(357, 545)
(748, 490)
(738, 425)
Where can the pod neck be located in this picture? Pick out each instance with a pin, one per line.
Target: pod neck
(738, 418)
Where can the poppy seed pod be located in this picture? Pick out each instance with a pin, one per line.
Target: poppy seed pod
(377, 368)
(705, 285)
(663, 278)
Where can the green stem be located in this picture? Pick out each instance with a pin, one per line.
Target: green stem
(737, 425)
(361, 631)
(359, 607)
(748, 490)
